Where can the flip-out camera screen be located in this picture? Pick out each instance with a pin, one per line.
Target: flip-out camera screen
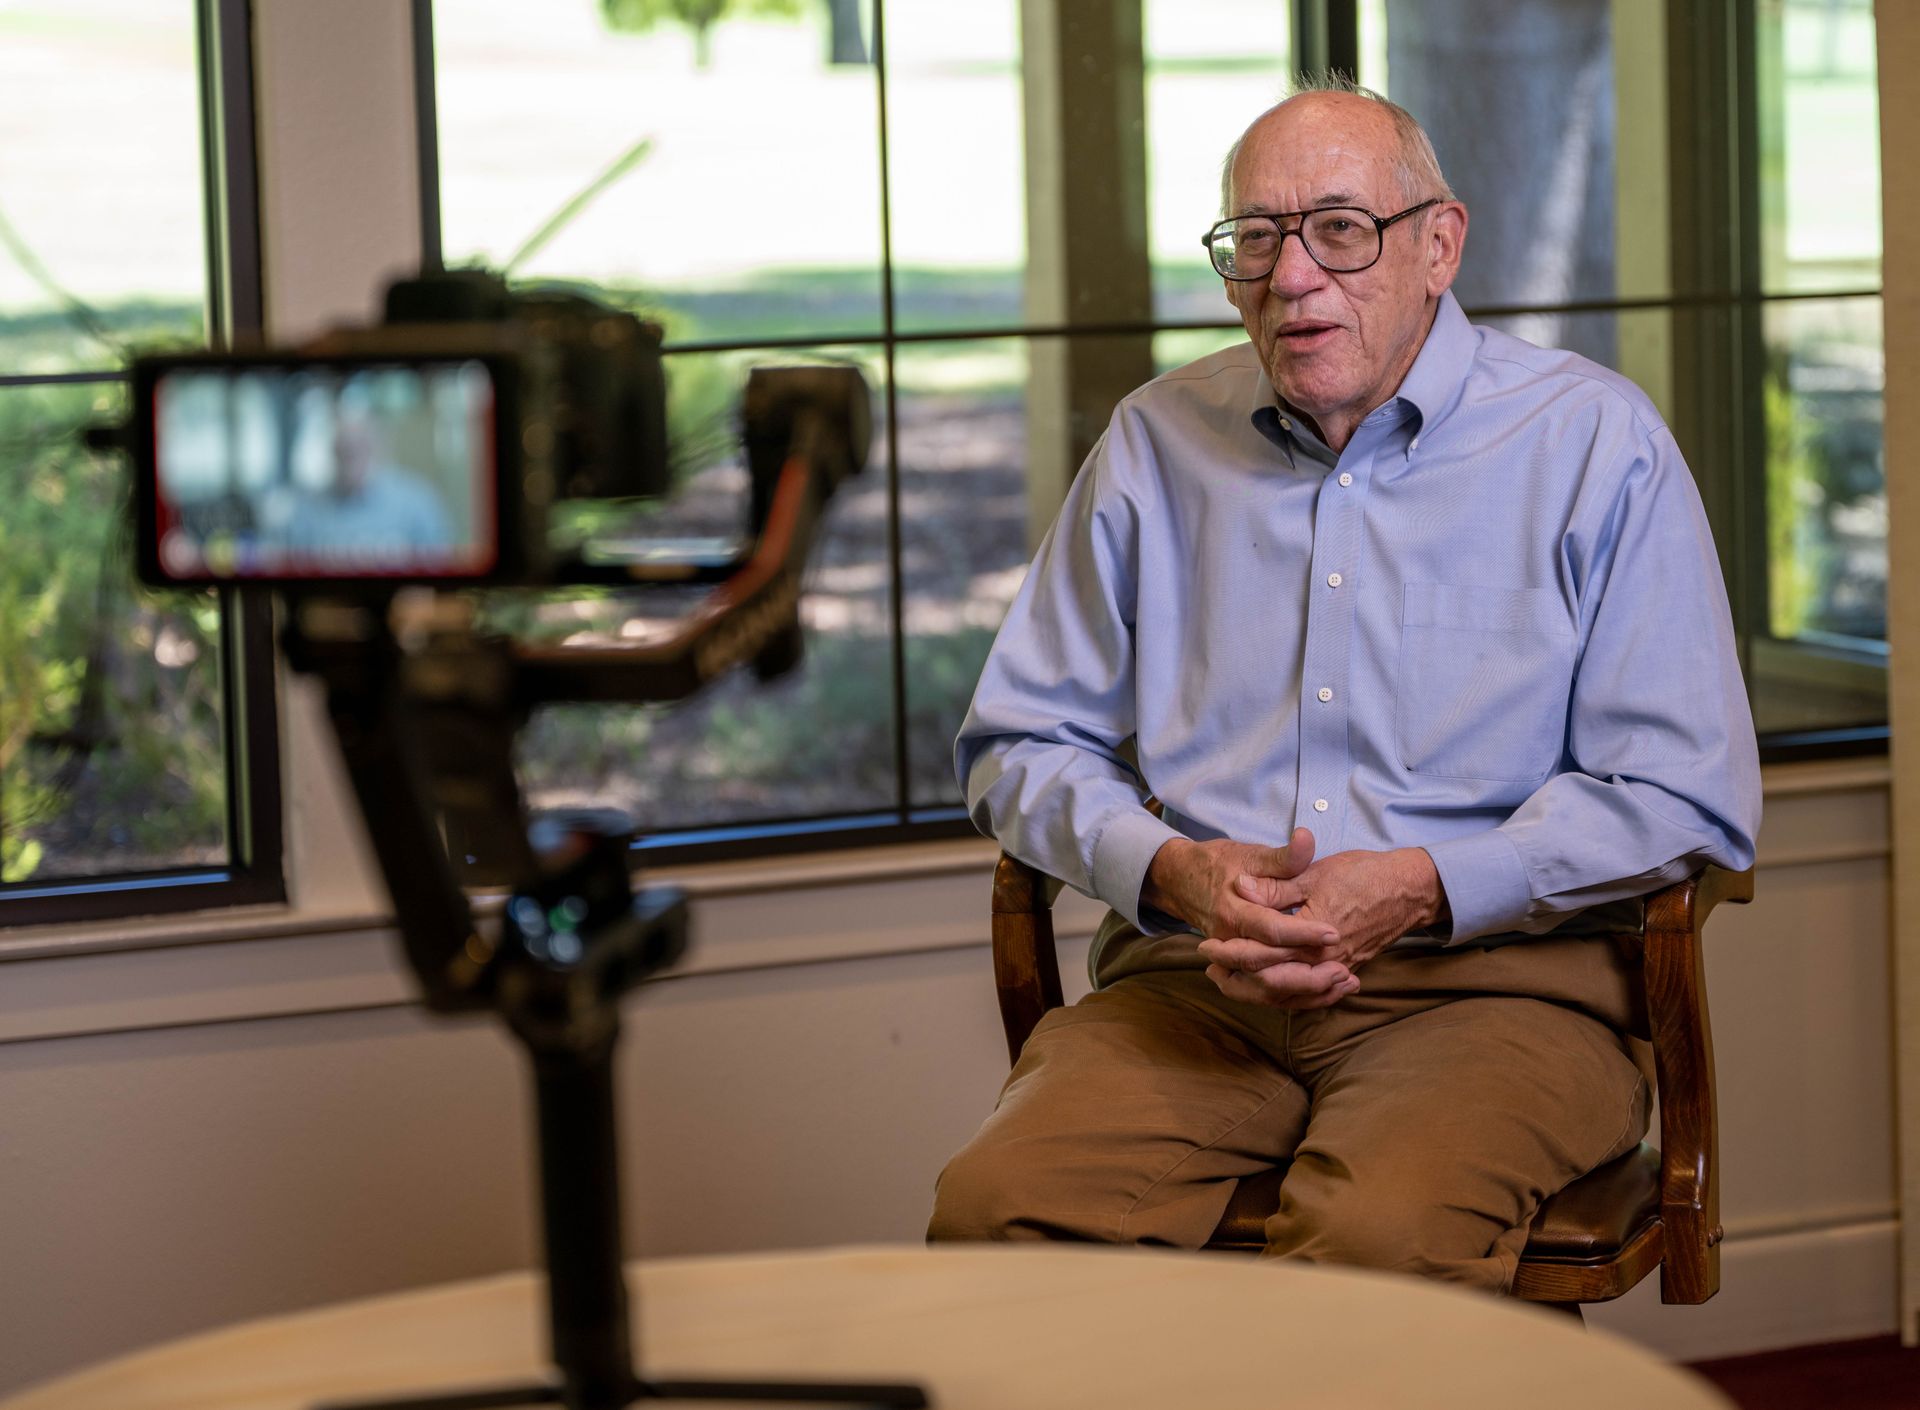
(317, 472)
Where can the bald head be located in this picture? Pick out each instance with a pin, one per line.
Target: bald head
(1337, 342)
(1341, 107)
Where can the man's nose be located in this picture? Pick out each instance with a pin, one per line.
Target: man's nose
(1295, 271)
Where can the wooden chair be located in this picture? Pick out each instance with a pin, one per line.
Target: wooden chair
(1604, 1232)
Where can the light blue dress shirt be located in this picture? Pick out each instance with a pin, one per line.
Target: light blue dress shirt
(1493, 627)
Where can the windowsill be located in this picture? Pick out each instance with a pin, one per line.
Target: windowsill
(708, 881)
(701, 881)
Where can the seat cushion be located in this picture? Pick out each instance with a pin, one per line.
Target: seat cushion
(1588, 1222)
(1600, 1213)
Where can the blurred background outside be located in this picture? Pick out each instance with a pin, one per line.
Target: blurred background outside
(1025, 248)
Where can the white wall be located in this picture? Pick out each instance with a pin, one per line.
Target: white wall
(219, 1117)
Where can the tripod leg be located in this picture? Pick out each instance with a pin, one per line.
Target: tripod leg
(856, 1397)
(490, 1398)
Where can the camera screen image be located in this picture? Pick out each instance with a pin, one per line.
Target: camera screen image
(318, 472)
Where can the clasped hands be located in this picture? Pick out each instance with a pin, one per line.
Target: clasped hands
(1281, 929)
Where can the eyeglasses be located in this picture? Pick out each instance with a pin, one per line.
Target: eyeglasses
(1340, 239)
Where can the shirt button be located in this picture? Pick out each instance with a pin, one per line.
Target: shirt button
(1326, 694)
(1285, 424)
(1345, 479)
(1413, 445)
(1333, 580)
(1319, 805)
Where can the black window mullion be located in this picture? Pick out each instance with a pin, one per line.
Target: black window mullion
(426, 119)
(255, 834)
(896, 575)
(1326, 37)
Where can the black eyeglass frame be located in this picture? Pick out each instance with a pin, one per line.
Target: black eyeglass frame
(1380, 226)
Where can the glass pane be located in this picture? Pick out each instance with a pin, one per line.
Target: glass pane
(816, 742)
(965, 535)
(1372, 22)
(1601, 336)
(111, 732)
(1820, 146)
(99, 136)
(723, 174)
(957, 178)
(1826, 472)
(1178, 347)
(1530, 143)
(1212, 67)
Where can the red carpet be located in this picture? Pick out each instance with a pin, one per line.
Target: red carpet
(1877, 1374)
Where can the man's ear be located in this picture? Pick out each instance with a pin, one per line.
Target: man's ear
(1446, 240)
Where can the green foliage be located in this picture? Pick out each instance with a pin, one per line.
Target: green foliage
(700, 16)
(110, 737)
(818, 741)
(941, 674)
(1793, 491)
(578, 202)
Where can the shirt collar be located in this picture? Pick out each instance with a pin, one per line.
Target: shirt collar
(1432, 386)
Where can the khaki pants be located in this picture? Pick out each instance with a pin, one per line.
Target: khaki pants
(1427, 1116)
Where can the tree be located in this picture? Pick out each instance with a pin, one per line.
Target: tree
(700, 16)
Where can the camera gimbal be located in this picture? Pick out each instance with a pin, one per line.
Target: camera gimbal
(426, 707)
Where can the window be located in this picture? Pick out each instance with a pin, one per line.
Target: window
(136, 747)
(1820, 650)
(897, 184)
(1593, 161)
(994, 208)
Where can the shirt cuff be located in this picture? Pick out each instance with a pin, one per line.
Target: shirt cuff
(1485, 882)
(1121, 856)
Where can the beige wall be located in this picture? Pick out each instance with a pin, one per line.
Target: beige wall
(1899, 51)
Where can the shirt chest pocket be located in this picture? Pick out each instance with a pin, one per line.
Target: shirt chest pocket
(1485, 674)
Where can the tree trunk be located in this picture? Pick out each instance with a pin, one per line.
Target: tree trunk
(849, 41)
(1527, 143)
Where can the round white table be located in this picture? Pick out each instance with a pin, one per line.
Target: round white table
(980, 1327)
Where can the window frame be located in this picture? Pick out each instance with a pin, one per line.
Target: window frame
(254, 873)
(1712, 80)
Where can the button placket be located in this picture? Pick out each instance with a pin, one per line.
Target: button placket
(1324, 764)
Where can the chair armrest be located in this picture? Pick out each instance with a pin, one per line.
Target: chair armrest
(1026, 967)
(1674, 973)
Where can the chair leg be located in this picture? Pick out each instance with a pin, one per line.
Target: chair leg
(1566, 1309)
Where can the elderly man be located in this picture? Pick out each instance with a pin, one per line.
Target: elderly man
(1418, 636)
(371, 510)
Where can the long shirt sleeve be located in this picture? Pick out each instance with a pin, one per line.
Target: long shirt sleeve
(1663, 774)
(1043, 753)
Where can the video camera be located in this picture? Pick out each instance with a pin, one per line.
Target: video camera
(433, 448)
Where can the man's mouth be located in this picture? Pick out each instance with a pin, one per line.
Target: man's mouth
(1305, 334)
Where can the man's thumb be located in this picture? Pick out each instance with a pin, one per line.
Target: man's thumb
(1286, 861)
